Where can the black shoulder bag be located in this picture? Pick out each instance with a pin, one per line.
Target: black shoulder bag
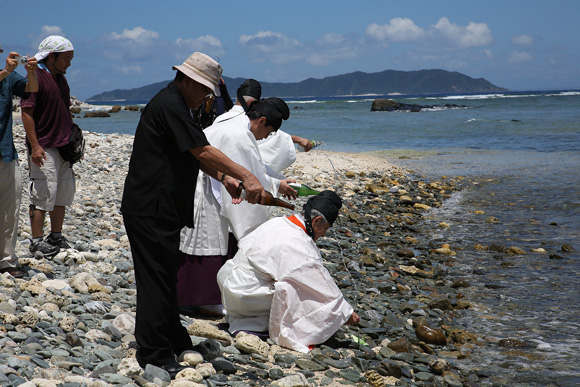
(75, 149)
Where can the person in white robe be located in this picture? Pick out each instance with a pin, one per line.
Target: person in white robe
(237, 140)
(277, 281)
(206, 246)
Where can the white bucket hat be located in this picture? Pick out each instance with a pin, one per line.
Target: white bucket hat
(203, 69)
(53, 43)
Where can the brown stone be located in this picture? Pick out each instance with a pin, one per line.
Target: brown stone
(420, 321)
(430, 335)
(401, 345)
(405, 253)
(441, 303)
(511, 343)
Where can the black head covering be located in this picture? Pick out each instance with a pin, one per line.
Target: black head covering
(274, 109)
(250, 88)
(327, 202)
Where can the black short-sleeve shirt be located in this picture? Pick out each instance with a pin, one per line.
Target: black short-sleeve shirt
(162, 172)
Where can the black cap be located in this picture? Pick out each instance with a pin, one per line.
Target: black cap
(327, 202)
(274, 109)
(250, 88)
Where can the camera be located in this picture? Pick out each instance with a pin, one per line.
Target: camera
(23, 60)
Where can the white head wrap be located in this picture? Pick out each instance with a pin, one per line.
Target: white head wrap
(53, 43)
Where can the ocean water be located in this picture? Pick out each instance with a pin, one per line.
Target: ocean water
(519, 157)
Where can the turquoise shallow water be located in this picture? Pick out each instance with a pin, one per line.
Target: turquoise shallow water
(520, 156)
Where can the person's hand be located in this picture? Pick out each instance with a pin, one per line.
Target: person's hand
(31, 65)
(254, 190)
(354, 319)
(11, 62)
(231, 185)
(304, 143)
(38, 156)
(287, 191)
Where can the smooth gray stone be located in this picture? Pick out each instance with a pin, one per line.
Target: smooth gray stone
(341, 364)
(423, 376)
(310, 365)
(352, 375)
(17, 336)
(116, 379)
(153, 373)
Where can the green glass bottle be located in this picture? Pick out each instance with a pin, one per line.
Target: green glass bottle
(303, 190)
(314, 144)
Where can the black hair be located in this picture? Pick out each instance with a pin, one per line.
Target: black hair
(254, 115)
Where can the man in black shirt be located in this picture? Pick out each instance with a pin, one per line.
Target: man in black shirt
(168, 151)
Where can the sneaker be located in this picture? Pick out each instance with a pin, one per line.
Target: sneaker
(47, 249)
(13, 271)
(61, 242)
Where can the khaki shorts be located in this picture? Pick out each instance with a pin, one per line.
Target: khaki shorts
(53, 184)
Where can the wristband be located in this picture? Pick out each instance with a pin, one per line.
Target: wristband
(223, 178)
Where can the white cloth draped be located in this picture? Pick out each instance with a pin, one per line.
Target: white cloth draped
(210, 233)
(278, 151)
(277, 282)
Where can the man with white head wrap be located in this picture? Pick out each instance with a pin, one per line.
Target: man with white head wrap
(48, 124)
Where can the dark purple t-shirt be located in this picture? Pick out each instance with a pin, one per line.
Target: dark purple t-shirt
(51, 109)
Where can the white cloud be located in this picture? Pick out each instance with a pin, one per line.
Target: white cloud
(45, 32)
(330, 48)
(472, 35)
(137, 35)
(522, 40)
(273, 47)
(207, 44)
(488, 54)
(137, 44)
(397, 30)
(51, 30)
(268, 46)
(128, 70)
(518, 57)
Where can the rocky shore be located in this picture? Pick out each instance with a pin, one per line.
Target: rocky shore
(69, 322)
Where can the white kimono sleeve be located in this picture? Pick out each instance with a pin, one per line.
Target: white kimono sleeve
(245, 217)
(278, 151)
(209, 235)
(307, 308)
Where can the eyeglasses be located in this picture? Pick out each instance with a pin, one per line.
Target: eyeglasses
(208, 91)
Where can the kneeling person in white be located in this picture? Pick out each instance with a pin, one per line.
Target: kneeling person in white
(277, 282)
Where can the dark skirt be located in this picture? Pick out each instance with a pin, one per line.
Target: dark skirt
(197, 277)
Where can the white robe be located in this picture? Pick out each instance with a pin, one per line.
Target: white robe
(278, 151)
(209, 235)
(277, 282)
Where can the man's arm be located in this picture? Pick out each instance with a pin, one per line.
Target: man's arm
(304, 143)
(37, 154)
(214, 162)
(11, 64)
(32, 85)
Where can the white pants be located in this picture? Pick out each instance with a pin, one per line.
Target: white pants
(53, 184)
(10, 195)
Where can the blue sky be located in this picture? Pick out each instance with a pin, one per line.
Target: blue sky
(516, 44)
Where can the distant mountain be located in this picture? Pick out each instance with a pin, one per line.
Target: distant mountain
(357, 83)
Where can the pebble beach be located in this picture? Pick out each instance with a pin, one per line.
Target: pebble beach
(70, 321)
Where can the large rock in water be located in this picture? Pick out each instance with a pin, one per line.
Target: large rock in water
(388, 105)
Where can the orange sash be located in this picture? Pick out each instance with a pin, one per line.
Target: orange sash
(295, 220)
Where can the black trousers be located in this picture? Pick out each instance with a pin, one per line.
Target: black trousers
(155, 249)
